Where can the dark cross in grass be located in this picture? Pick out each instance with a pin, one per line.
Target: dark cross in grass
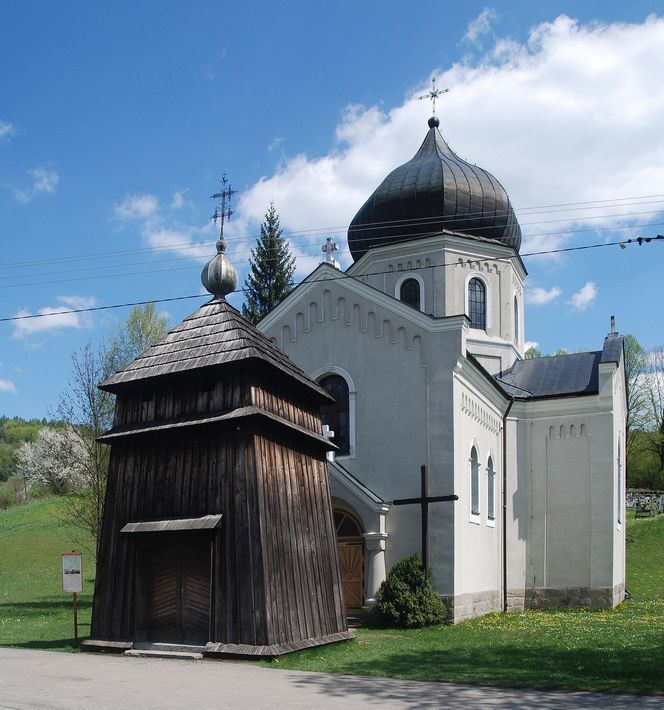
(423, 501)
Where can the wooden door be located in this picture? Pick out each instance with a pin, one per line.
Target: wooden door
(161, 595)
(350, 545)
(174, 590)
(351, 567)
(195, 596)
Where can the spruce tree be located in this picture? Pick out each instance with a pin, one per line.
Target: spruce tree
(271, 269)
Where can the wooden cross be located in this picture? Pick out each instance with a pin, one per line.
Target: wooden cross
(423, 501)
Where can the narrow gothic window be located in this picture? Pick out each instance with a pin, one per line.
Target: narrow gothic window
(491, 491)
(336, 415)
(620, 487)
(516, 320)
(474, 482)
(477, 304)
(410, 293)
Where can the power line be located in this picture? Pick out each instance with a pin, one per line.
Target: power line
(638, 240)
(423, 221)
(235, 254)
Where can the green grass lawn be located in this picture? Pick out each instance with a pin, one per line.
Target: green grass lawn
(34, 611)
(614, 650)
(604, 650)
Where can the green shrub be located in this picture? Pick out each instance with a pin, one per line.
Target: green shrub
(406, 599)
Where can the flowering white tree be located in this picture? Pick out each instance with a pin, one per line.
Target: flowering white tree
(88, 411)
(56, 457)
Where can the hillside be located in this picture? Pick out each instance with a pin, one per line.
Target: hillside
(34, 611)
(13, 432)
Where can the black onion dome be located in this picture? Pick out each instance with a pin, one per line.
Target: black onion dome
(435, 190)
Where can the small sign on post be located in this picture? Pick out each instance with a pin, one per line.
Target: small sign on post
(72, 581)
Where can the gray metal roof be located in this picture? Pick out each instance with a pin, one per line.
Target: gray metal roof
(216, 334)
(554, 376)
(613, 348)
(435, 190)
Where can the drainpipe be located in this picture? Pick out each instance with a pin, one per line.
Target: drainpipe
(507, 411)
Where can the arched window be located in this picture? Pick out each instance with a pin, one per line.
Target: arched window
(477, 303)
(490, 491)
(336, 415)
(474, 482)
(516, 320)
(346, 525)
(410, 293)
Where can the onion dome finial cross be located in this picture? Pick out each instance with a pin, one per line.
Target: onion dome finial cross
(219, 276)
(433, 95)
(223, 210)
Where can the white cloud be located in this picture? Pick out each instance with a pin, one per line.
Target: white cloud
(43, 180)
(7, 386)
(575, 116)
(186, 240)
(276, 143)
(583, 297)
(56, 317)
(539, 296)
(164, 234)
(481, 25)
(177, 201)
(530, 344)
(7, 131)
(137, 207)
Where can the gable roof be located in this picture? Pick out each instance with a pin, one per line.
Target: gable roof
(216, 334)
(554, 376)
(561, 375)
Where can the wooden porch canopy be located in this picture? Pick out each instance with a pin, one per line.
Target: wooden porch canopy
(207, 522)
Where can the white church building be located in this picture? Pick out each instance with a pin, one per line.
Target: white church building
(421, 342)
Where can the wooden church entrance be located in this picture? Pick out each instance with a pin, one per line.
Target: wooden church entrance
(350, 544)
(173, 590)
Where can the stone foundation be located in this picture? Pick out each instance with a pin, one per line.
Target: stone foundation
(516, 599)
(574, 597)
(462, 607)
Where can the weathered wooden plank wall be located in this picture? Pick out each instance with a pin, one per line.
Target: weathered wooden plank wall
(212, 393)
(300, 554)
(275, 571)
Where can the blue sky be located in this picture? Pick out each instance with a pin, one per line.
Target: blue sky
(117, 120)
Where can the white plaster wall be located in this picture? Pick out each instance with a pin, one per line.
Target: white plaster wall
(445, 264)
(478, 541)
(619, 408)
(402, 375)
(517, 500)
(568, 448)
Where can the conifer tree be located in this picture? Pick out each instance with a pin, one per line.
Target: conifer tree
(271, 269)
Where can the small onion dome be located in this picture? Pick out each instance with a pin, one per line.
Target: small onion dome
(433, 191)
(219, 276)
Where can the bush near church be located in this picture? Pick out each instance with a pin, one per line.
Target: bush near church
(406, 598)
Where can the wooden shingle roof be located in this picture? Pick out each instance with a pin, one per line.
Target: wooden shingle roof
(216, 334)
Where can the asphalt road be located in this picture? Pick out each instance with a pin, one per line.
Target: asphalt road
(36, 680)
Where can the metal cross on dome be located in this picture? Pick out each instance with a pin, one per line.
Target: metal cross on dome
(223, 211)
(433, 94)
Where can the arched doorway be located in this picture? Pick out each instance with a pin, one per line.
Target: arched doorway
(350, 544)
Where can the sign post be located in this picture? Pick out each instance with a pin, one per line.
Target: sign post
(72, 581)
